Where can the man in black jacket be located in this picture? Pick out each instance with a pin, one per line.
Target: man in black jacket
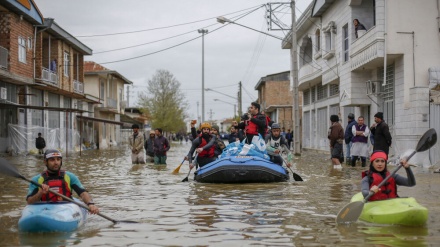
(253, 123)
(40, 144)
(381, 132)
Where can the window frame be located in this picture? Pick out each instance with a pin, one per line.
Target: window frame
(22, 49)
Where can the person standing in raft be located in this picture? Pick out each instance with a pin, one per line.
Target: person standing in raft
(253, 123)
(378, 172)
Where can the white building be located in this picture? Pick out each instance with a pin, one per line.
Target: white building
(339, 73)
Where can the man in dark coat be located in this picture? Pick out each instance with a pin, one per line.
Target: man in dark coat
(381, 132)
(348, 136)
(253, 123)
(336, 138)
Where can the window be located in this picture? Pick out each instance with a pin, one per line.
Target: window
(388, 94)
(22, 49)
(334, 89)
(329, 40)
(345, 44)
(29, 43)
(306, 94)
(66, 64)
(317, 44)
(322, 91)
(102, 94)
(313, 92)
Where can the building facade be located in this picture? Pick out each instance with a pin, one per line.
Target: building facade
(385, 68)
(108, 86)
(276, 98)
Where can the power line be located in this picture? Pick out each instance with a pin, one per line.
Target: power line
(158, 28)
(168, 48)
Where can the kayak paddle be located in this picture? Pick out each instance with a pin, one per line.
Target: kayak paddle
(186, 179)
(296, 177)
(351, 212)
(178, 168)
(10, 170)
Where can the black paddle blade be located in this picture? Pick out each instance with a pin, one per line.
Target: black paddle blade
(427, 141)
(8, 169)
(297, 177)
(126, 221)
(185, 179)
(350, 213)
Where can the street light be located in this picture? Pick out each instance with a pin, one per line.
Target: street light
(223, 20)
(235, 106)
(293, 74)
(203, 31)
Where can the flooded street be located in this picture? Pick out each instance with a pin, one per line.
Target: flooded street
(175, 213)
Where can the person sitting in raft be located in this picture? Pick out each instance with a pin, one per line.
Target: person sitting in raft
(63, 182)
(378, 172)
(204, 146)
(219, 144)
(275, 144)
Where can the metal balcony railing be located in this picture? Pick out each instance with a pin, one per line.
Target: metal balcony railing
(4, 53)
(49, 76)
(78, 87)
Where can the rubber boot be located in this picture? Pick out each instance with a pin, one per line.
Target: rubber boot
(349, 162)
(363, 163)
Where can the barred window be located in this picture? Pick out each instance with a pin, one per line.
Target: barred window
(334, 89)
(322, 91)
(313, 92)
(387, 93)
(306, 95)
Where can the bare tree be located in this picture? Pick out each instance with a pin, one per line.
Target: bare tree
(164, 102)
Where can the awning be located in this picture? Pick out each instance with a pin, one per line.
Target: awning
(60, 109)
(99, 120)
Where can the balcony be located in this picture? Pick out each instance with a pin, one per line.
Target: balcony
(4, 53)
(367, 50)
(112, 103)
(78, 87)
(308, 72)
(49, 77)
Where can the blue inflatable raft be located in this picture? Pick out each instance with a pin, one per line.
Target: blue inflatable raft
(60, 216)
(241, 169)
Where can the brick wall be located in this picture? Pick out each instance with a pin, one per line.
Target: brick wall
(17, 28)
(278, 93)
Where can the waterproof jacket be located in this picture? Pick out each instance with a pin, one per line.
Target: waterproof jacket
(382, 137)
(335, 134)
(161, 146)
(40, 143)
(348, 134)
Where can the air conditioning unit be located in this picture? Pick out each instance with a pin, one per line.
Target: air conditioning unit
(374, 87)
(3, 93)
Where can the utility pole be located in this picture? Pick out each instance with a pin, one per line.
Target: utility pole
(203, 32)
(198, 115)
(240, 104)
(294, 75)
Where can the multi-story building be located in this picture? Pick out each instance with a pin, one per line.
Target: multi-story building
(108, 86)
(385, 68)
(41, 79)
(276, 98)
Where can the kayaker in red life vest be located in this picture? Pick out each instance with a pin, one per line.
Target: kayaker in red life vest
(253, 123)
(378, 171)
(56, 179)
(204, 146)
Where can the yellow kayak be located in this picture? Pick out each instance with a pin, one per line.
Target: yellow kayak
(397, 211)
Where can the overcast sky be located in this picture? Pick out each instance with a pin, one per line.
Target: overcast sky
(232, 53)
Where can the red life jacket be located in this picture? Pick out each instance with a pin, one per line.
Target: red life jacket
(251, 128)
(388, 190)
(209, 153)
(58, 184)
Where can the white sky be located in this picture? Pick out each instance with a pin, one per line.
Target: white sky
(232, 53)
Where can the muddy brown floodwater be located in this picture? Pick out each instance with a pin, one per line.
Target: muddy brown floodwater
(175, 213)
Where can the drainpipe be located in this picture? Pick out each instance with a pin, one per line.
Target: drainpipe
(384, 83)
